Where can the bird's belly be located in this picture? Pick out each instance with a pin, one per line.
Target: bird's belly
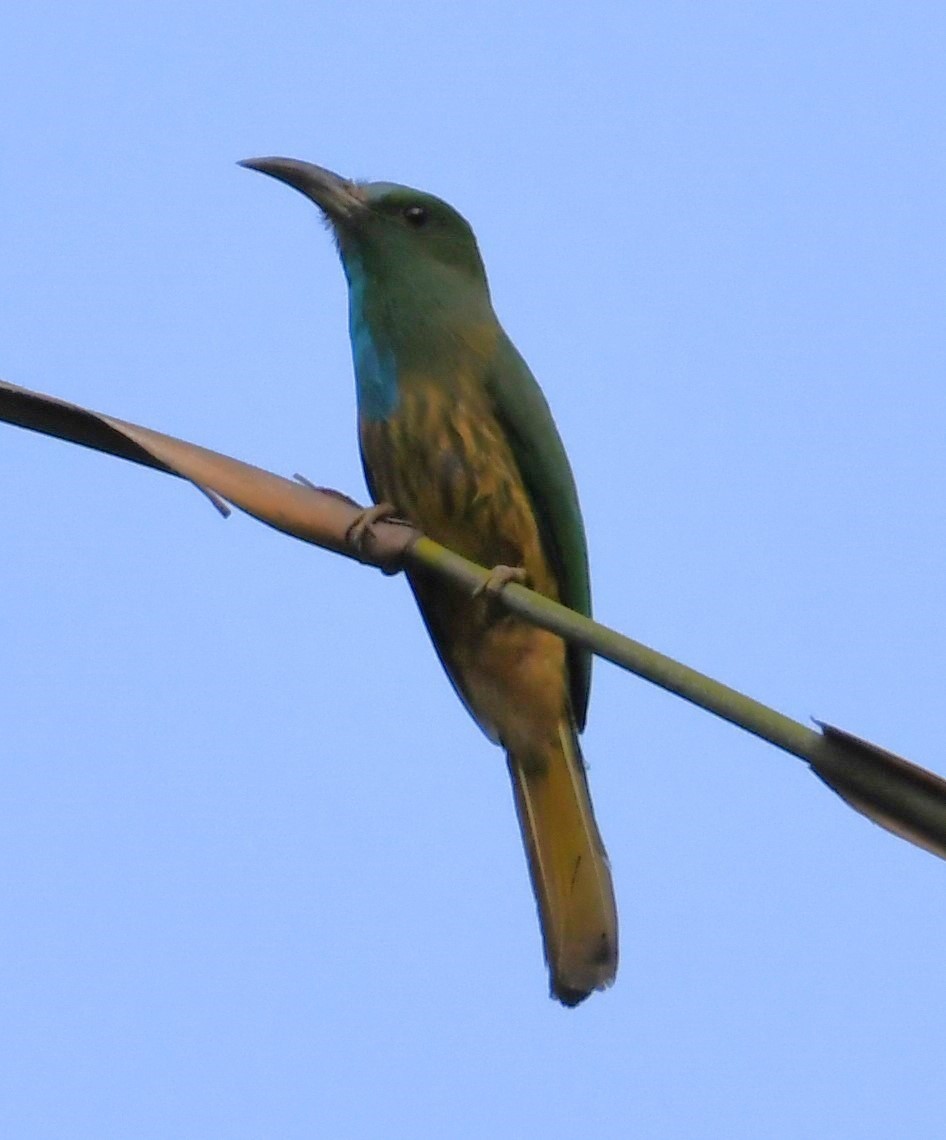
(446, 465)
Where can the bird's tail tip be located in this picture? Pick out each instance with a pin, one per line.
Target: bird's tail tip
(598, 973)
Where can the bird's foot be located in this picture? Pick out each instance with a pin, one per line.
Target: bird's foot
(499, 577)
(360, 533)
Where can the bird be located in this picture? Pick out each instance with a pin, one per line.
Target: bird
(457, 438)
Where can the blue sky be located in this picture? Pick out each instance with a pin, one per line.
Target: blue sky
(260, 874)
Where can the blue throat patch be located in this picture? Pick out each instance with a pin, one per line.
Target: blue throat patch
(375, 366)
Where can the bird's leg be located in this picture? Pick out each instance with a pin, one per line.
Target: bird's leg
(499, 577)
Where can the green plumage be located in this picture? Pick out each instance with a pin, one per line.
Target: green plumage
(522, 411)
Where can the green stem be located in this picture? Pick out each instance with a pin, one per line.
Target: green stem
(738, 709)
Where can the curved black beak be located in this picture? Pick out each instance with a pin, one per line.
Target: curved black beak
(337, 197)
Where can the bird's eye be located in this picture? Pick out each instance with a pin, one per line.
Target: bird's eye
(416, 215)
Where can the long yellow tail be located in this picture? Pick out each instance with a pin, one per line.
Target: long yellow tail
(570, 873)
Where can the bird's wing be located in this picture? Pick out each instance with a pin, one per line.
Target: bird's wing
(524, 413)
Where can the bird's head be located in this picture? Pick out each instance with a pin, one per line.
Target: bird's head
(385, 232)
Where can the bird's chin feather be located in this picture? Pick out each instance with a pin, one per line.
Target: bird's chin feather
(332, 227)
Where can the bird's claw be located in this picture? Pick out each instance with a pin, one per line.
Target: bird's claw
(499, 577)
(359, 534)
